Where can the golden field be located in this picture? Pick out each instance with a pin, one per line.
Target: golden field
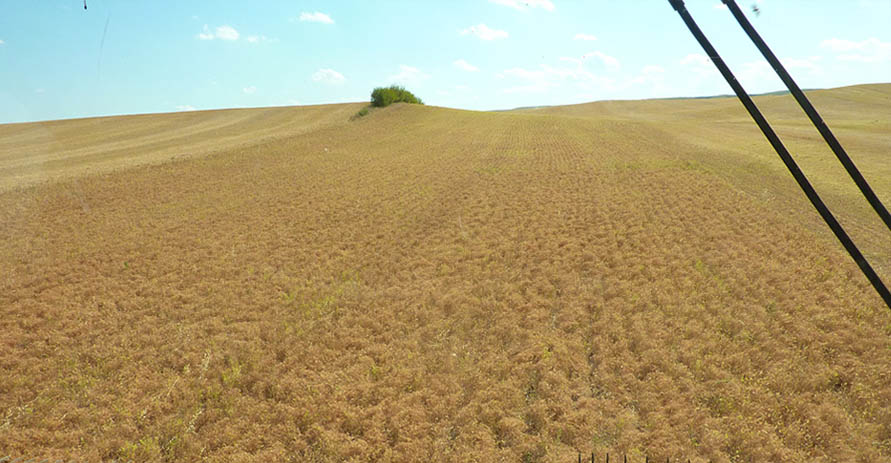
(430, 284)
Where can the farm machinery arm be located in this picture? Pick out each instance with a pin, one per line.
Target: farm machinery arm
(811, 112)
(781, 150)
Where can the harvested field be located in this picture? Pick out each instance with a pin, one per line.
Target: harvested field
(428, 284)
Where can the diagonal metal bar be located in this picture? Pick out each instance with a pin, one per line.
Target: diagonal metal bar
(811, 112)
(781, 150)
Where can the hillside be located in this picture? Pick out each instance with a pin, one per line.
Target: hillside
(725, 140)
(36, 152)
(433, 284)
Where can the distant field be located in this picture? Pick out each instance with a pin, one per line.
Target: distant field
(37, 152)
(428, 284)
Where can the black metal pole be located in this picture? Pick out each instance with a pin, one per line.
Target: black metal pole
(784, 154)
(811, 112)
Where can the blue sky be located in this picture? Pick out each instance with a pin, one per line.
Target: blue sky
(123, 57)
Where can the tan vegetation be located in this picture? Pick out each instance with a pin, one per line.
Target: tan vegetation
(35, 153)
(729, 144)
(437, 285)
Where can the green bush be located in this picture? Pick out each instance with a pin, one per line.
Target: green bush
(362, 112)
(385, 96)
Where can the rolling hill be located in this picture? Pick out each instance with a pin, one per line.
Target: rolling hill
(424, 283)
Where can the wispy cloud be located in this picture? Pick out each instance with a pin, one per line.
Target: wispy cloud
(651, 75)
(484, 32)
(316, 17)
(699, 64)
(2, 42)
(460, 63)
(206, 34)
(249, 90)
(223, 32)
(328, 76)
(547, 77)
(581, 36)
(259, 38)
(754, 71)
(695, 59)
(523, 5)
(871, 50)
(811, 64)
(408, 74)
(185, 107)
(610, 62)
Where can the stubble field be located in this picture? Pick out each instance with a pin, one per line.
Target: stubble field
(428, 284)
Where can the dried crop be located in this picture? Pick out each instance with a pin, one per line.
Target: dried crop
(429, 284)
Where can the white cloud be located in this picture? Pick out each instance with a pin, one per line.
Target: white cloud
(2, 42)
(185, 107)
(547, 77)
(652, 78)
(483, 32)
(465, 65)
(259, 38)
(871, 50)
(227, 33)
(700, 65)
(39, 90)
(408, 74)
(206, 34)
(224, 32)
(695, 59)
(328, 76)
(249, 90)
(523, 5)
(532, 88)
(755, 70)
(316, 17)
(581, 36)
(611, 63)
(810, 64)
(720, 6)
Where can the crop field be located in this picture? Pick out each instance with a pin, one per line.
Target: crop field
(430, 284)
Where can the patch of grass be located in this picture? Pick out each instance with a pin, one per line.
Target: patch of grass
(361, 113)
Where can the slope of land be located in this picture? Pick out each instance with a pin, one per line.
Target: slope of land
(727, 142)
(439, 285)
(33, 153)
